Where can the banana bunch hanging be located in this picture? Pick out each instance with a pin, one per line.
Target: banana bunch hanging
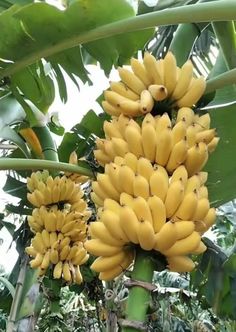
(152, 193)
(59, 223)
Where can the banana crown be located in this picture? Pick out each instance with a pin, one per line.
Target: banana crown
(59, 223)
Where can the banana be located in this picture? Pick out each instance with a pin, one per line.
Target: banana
(204, 121)
(197, 157)
(54, 257)
(179, 131)
(126, 179)
(57, 271)
(141, 209)
(100, 144)
(203, 207)
(66, 272)
(120, 146)
(152, 69)
(187, 207)
(166, 237)
(110, 204)
(99, 230)
(64, 252)
(38, 244)
(112, 222)
(107, 187)
(98, 190)
(180, 173)
(158, 92)
(146, 102)
(126, 199)
(131, 160)
(111, 274)
(159, 182)
(97, 248)
(96, 199)
(34, 226)
(53, 239)
(111, 130)
(200, 227)
(163, 147)
(72, 253)
(122, 123)
(119, 161)
(37, 261)
(32, 140)
(194, 92)
(107, 263)
(210, 218)
(31, 251)
(180, 264)
(146, 236)
(129, 224)
(80, 258)
(213, 144)
(202, 192)
(144, 168)
(170, 72)
(191, 134)
(130, 108)
(174, 197)
(135, 124)
(184, 228)
(56, 191)
(149, 139)
(46, 261)
(141, 187)
(60, 218)
(184, 80)
(158, 212)
(149, 119)
(177, 156)
(78, 276)
(70, 226)
(46, 238)
(140, 71)
(123, 90)
(205, 135)
(193, 184)
(184, 246)
(109, 149)
(134, 140)
(112, 170)
(131, 80)
(186, 114)
(101, 157)
(36, 198)
(199, 249)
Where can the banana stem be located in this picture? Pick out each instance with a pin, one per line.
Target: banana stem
(201, 12)
(221, 81)
(47, 143)
(139, 297)
(35, 164)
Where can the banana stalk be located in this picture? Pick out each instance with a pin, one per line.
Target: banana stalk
(139, 297)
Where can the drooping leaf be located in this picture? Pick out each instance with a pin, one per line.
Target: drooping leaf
(8, 285)
(15, 187)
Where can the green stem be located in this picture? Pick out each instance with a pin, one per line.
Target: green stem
(220, 81)
(203, 12)
(139, 297)
(225, 33)
(35, 164)
(48, 146)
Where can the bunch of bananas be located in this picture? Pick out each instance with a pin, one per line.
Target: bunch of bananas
(150, 83)
(59, 223)
(187, 141)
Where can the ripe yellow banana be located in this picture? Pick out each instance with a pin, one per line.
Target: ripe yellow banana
(98, 190)
(170, 72)
(194, 92)
(202, 192)
(203, 207)
(101, 157)
(193, 184)
(69, 227)
(37, 261)
(100, 144)
(210, 218)
(120, 146)
(158, 92)
(122, 123)
(126, 199)
(187, 207)
(64, 252)
(184, 246)
(54, 239)
(126, 179)
(110, 204)
(149, 139)
(186, 114)
(163, 123)
(180, 173)
(159, 182)
(158, 212)
(99, 230)
(129, 224)
(80, 258)
(184, 228)
(32, 140)
(204, 121)
(174, 197)
(180, 264)
(38, 244)
(123, 90)
(112, 170)
(141, 209)
(107, 187)
(112, 222)
(200, 227)
(163, 147)
(149, 119)
(109, 149)
(179, 131)
(46, 238)
(107, 263)
(111, 130)
(54, 257)
(141, 187)
(146, 102)
(197, 157)
(205, 135)
(140, 71)
(46, 261)
(166, 237)
(130, 108)
(131, 80)
(97, 248)
(96, 199)
(213, 144)
(144, 168)
(146, 236)
(134, 140)
(78, 276)
(199, 249)
(57, 271)
(131, 160)
(31, 251)
(177, 156)
(184, 80)
(150, 63)
(66, 272)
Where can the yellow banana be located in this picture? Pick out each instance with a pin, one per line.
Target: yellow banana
(122, 123)
(129, 223)
(166, 237)
(200, 227)
(152, 69)
(199, 249)
(188, 207)
(186, 114)
(60, 218)
(31, 251)
(96, 199)
(180, 264)
(72, 253)
(54, 257)
(140, 71)
(64, 252)
(202, 192)
(32, 140)
(46, 238)
(80, 258)
(120, 146)
(130, 108)
(107, 263)
(53, 239)
(179, 131)
(131, 160)
(205, 135)
(174, 197)
(177, 156)
(170, 72)
(100, 144)
(141, 187)
(101, 157)
(78, 276)
(66, 272)
(179, 173)
(197, 157)
(163, 123)
(134, 140)
(107, 187)
(141, 209)
(194, 92)
(38, 244)
(184, 228)
(112, 222)
(111, 130)
(146, 102)
(100, 231)
(109, 149)
(57, 271)
(191, 134)
(46, 261)
(184, 246)
(204, 121)
(126, 178)
(144, 168)
(149, 139)
(203, 207)
(97, 248)
(37, 261)
(193, 184)
(69, 227)
(213, 144)
(159, 183)
(158, 212)
(126, 199)
(131, 80)
(158, 92)
(123, 90)
(112, 170)
(184, 80)
(111, 109)
(210, 218)
(146, 236)
(110, 204)
(98, 190)
(149, 119)
(163, 147)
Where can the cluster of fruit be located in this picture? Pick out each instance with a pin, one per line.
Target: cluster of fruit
(59, 223)
(151, 82)
(152, 193)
